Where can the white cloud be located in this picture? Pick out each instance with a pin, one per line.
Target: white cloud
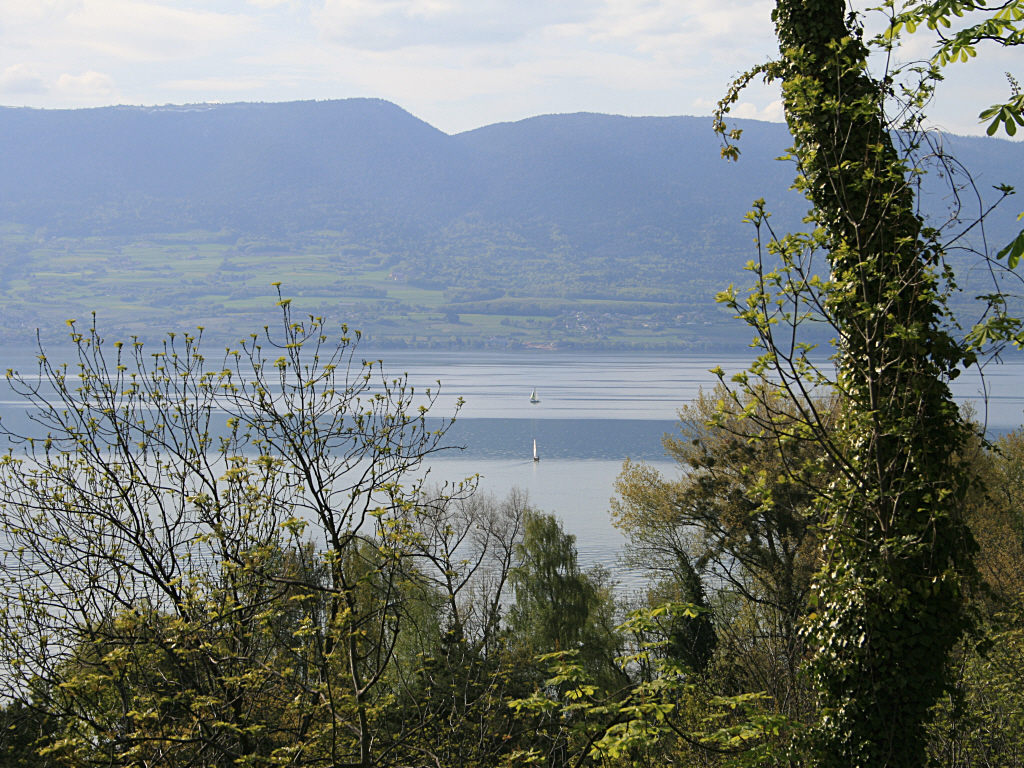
(772, 113)
(697, 30)
(235, 84)
(139, 31)
(123, 30)
(394, 24)
(18, 13)
(21, 79)
(88, 84)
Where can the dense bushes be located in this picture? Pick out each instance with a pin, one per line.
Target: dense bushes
(231, 565)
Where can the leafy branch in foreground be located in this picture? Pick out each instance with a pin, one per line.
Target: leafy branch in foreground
(1001, 23)
(214, 564)
(664, 712)
(959, 31)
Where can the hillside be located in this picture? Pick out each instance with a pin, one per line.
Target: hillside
(507, 219)
(585, 195)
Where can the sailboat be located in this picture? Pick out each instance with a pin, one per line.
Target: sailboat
(535, 456)
(533, 398)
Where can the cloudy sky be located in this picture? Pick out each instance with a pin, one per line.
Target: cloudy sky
(458, 64)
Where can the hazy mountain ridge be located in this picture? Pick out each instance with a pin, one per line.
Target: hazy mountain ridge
(580, 205)
(360, 156)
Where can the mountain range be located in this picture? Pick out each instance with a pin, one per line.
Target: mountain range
(572, 205)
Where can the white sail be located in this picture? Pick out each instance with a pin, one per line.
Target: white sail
(534, 398)
(535, 456)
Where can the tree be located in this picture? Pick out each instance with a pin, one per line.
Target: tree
(690, 640)
(740, 514)
(452, 700)
(212, 565)
(980, 721)
(22, 731)
(557, 605)
(888, 599)
(661, 716)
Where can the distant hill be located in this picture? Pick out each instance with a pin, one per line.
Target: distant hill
(578, 205)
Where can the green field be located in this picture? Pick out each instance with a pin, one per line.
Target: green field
(150, 285)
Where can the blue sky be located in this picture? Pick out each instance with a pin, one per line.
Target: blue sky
(458, 64)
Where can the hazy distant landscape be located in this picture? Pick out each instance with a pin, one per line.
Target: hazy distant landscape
(516, 430)
(579, 231)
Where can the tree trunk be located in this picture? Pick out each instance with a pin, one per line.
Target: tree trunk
(889, 605)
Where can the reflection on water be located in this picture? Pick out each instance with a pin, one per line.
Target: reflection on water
(579, 461)
(997, 397)
(629, 386)
(567, 439)
(583, 386)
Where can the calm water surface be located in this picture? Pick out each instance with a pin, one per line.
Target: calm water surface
(594, 411)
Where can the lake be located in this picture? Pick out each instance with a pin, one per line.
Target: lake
(594, 411)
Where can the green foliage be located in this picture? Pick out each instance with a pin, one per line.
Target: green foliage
(213, 564)
(663, 716)
(979, 722)
(1014, 250)
(559, 607)
(691, 640)
(742, 516)
(1000, 23)
(888, 605)
(25, 731)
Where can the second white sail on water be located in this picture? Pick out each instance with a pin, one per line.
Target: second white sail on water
(535, 456)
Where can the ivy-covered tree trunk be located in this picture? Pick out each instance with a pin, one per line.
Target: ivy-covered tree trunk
(889, 605)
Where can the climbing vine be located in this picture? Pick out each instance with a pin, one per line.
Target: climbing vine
(896, 554)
